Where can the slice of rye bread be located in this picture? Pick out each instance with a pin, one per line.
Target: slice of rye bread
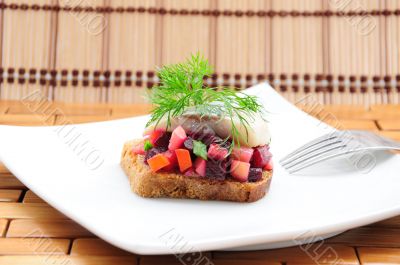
(146, 183)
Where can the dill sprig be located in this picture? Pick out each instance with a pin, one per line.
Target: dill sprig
(181, 88)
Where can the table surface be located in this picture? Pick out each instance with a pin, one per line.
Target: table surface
(32, 232)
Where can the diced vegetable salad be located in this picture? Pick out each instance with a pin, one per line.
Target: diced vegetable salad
(199, 152)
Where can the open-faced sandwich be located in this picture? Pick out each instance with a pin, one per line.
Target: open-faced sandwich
(200, 142)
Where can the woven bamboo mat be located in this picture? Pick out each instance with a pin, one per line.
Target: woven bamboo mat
(32, 232)
(341, 51)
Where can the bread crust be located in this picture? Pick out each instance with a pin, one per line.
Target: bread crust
(148, 184)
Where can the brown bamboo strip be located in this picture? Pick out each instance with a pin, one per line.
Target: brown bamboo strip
(346, 32)
(317, 47)
(13, 210)
(105, 88)
(300, 50)
(1, 54)
(389, 223)
(397, 26)
(9, 195)
(383, 51)
(355, 55)
(3, 109)
(369, 236)
(369, 256)
(268, 39)
(390, 125)
(97, 247)
(392, 44)
(368, 39)
(52, 53)
(363, 59)
(27, 119)
(128, 110)
(8, 181)
(333, 44)
(312, 255)
(55, 258)
(3, 227)
(293, 95)
(27, 228)
(325, 55)
(31, 197)
(287, 50)
(27, 107)
(386, 111)
(176, 260)
(239, 262)
(4, 170)
(374, 57)
(212, 39)
(353, 124)
(73, 109)
(276, 40)
(379, 54)
(60, 119)
(33, 246)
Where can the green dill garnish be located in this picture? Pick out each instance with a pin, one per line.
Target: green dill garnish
(147, 145)
(200, 149)
(181, 88)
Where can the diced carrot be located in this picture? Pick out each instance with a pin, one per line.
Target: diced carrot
(157, 162)
(184, 160)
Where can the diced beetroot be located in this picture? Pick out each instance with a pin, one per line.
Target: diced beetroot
(154, 135)
(269, 165)
(216, 152)
(178, 137)
(255, 174)
(216, 169)
(243, 154)
(261, 156)
(173, 162)
(138, 149)
(163, 140)
(200, 166)
(240, 170)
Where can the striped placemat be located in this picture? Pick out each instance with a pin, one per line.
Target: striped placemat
(341, 52)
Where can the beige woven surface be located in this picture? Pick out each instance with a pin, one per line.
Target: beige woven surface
(353, 42)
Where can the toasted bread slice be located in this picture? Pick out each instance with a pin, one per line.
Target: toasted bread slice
(148, 184)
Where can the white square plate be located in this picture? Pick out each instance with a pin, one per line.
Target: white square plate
(82, 179)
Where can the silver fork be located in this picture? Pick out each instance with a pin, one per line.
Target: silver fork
(335, 144)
